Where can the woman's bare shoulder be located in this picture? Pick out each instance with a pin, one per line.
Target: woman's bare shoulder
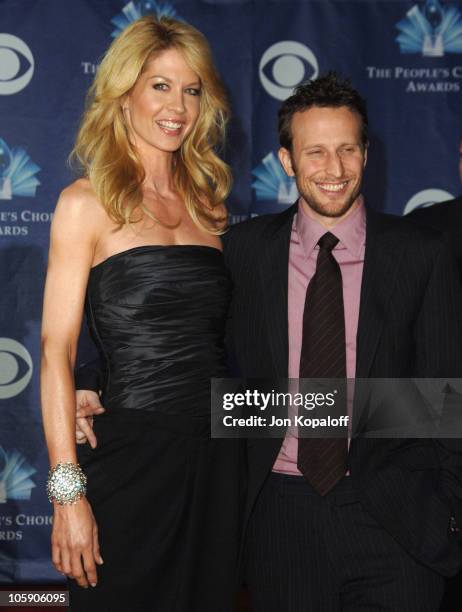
(79, 200)
(80, 193)
(78, 209)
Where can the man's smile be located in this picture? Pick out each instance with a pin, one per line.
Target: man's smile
(329, 187)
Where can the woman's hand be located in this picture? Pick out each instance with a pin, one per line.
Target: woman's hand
(87, 405)
(74, 542)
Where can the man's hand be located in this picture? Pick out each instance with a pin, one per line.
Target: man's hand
(87, 405)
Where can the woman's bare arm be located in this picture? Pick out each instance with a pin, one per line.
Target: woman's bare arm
(74, 234)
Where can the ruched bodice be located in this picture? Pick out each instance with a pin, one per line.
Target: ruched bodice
(157, 315)
(165, 494)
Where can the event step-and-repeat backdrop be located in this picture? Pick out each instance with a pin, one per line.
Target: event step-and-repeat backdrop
(404, 56)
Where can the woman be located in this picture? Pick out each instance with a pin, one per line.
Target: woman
(137, 241)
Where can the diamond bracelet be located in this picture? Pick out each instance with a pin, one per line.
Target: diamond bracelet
(66, 483)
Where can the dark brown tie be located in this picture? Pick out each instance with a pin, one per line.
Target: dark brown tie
(323, 461)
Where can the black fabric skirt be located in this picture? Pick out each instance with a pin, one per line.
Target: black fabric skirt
(166, 499)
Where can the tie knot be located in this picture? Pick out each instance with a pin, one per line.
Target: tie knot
(328, 241)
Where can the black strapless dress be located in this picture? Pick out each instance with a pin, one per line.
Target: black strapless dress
(165, 495)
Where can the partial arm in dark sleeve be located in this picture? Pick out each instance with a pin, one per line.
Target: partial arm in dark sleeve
(89, 376)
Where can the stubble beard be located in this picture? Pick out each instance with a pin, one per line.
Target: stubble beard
(322, 209)
(325, 210)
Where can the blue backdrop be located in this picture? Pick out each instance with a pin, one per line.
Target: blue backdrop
(404, 56)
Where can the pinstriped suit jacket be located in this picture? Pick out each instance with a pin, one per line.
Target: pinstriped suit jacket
(410, 325)
(447, 218)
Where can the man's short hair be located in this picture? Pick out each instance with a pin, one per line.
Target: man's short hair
(327, 91)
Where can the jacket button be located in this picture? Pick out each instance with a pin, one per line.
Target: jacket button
(453, 527)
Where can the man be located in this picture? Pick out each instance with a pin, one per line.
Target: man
(445, 217)
(383, 539)
(375, 528)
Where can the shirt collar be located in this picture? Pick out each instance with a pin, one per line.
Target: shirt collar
(351, 231)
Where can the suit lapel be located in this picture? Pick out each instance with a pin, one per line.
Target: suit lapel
(274, 278)
(382, 255)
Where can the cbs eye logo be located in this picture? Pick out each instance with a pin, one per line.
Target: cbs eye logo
(425, 198)
(15, 368)
(288, 63)
(16, 64)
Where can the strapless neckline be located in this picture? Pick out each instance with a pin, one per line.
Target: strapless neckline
(153, 247)
(157, 314)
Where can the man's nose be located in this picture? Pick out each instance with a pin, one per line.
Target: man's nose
(335, 165)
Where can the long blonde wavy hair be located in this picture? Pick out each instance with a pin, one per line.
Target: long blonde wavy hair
(104, 151)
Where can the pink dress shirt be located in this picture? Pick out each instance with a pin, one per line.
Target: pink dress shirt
(303, 253)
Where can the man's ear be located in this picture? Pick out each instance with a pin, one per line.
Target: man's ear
(366, 148)
(286, 161)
